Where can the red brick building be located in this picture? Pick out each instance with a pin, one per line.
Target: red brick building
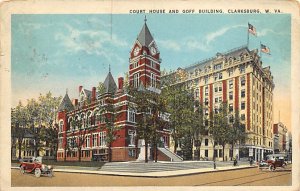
(82, 123)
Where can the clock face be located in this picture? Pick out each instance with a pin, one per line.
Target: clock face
(136, 51)
(153, 50)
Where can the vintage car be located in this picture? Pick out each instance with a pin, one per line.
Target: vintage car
(273, 161)
(34, 165)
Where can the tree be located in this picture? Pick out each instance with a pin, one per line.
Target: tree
(47, 115)
(237, 132)
(180, 106)
(18, 124)
(111, 113)
(101, 88)
(198, 127)
(142, 107)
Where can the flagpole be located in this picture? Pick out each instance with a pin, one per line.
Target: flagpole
(248, 36)
(260, 49)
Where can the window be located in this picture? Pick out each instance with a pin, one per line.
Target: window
(218, 76)
(230, 72)
(152, 80)
(61, 126)
(217, 66)
(102, 137)
(131, 137)
(242, 105)
(220, 152)
(206, 142)
(242, 93)
(206, 153)
(206, 79)
(231, 119)
(95, 140)
(216, 100)
(243, 80)
(231, 107)
(231, 95)
(206, 101)
(242, 69)
(131, 115)
(206, 91)
(243, 117)
(196, 93)
(152, 64)
(87, 141)
(230, 84)
(135, 64)
(136, 80)
(131, 152)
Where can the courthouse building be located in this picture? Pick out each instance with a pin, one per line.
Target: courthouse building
(239, 78)
(144, 70)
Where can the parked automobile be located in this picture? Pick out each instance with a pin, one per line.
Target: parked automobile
(273, 161)
(34, 165)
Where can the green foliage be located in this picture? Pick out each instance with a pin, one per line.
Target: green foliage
(101, 88)
(33, 117)
(180, 106)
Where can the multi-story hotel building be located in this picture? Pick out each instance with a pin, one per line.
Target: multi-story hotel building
(144, 70)
(238, 78)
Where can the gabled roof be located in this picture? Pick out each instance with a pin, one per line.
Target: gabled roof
(145, 37)
(66, 104)
(109, 84)
(88, 93)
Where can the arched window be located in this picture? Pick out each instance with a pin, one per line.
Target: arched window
(70, 124)
(89, 119)
(83, 120)
(61, 126)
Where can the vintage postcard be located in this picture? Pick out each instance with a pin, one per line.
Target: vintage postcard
(152, 95)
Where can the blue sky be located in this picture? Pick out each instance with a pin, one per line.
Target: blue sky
(56, 52)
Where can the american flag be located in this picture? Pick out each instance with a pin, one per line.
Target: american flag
(264, 49)
(251, 29)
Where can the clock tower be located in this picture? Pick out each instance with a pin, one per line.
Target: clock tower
(144, 61)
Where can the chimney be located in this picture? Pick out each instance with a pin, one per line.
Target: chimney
(75, 102)
(120, 83)
(80, 88)
(93, 94)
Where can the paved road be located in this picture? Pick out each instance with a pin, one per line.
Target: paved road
(242, 177)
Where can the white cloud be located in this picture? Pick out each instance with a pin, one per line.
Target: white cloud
(169, 45)
(265, 32)
(204, 44)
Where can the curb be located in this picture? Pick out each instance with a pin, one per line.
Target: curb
(148, 175)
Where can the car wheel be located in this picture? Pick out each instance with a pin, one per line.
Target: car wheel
(22, 170)
(37, 172)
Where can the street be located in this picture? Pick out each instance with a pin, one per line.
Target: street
(243, 177)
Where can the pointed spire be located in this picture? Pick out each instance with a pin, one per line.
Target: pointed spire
(109, 83)
(67, 91)
(145, 37)
(66, 104)
(109, 68)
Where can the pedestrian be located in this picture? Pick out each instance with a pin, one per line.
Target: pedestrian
(251, 161)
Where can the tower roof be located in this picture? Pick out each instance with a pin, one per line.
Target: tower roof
(145, 37)
(109, 84)
(66, 104)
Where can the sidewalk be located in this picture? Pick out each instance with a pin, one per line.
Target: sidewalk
(157, 174)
